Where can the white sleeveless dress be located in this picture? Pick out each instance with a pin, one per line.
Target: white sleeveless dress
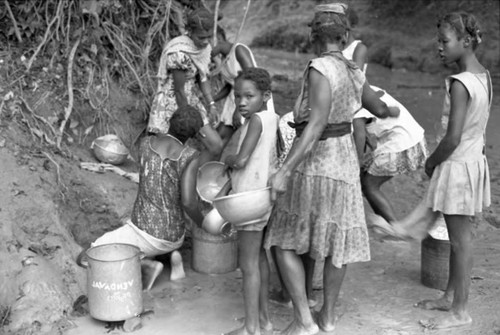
(461, 184)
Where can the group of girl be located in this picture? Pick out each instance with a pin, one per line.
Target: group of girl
(318, 188)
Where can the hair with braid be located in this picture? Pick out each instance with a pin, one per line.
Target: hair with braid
(464, 24)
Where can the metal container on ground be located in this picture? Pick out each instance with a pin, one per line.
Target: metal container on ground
(214, 254)
(435, 258)
(114, 284)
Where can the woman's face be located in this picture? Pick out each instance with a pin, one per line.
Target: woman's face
(201, 38)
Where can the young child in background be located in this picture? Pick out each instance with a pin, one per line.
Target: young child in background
(459, 185)
(387, 147)
(251, 167)
(354, 49)
(236, 57)
(167, 189)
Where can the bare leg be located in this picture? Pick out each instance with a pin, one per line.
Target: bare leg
(150, 271)
(379, 202)
(459, 231)
(264, 318)
(332, 282)
(309, 269)
(249, 251)
(293, 273)
(177, 268)
(282, 296)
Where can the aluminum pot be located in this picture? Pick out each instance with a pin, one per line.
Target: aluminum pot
(114, 284)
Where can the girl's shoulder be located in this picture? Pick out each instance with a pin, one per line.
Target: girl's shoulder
(469, 80)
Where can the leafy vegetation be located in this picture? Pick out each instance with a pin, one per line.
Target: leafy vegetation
(98, 40)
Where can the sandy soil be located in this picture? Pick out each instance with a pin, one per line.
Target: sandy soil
(377, 297)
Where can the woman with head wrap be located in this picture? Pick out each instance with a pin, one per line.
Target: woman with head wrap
(319, 205)
(182, 79)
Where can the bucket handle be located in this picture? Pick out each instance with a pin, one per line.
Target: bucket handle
(83, 261)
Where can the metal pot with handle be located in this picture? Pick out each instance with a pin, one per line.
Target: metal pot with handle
(114, 284)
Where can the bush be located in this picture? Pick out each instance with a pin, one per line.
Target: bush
(285, 37)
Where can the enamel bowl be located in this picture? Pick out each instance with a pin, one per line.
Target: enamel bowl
(245, 207)
(211, 177)
(110, 149)
(215, 224)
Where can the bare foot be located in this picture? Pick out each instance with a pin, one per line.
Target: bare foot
(297, 329)
(452, 320)
(177, 271)
(279, 298)
(150, 271)
(441, 304)
(324, 325)
(242, 331)
(266, 328)
(312, 303)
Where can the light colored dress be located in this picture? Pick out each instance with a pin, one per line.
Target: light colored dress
(229, 71)
(461, 184)
(348, 52)
(261, 164)
(157, 224)
(400, 146)
(179, 54)
(322, 212)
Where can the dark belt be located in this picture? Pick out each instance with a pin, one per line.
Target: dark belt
(331, 129)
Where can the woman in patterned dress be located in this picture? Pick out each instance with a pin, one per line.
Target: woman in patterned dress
(167, 191)
(319, 206)
(183, 80)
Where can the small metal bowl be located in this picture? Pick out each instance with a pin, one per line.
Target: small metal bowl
(211, 177)
(215, 224)
(110, 149)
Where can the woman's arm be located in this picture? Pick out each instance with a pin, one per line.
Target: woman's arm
(223, 93)
(240, 160)
(179, 77)
(189, 196)
(458, 109)
(243, 57)
(359, 126)
(359, 55)
(371, 101)
(320, 103)
(206, 89)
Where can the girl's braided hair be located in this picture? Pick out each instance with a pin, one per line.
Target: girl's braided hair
(463, 24)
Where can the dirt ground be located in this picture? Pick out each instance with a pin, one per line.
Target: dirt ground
(377, 296)
(50, 208)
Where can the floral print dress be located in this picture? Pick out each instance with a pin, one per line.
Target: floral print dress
(164, 102)
(322, 212)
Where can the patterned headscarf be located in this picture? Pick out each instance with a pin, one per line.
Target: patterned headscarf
(200, 57)
(336, 7)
